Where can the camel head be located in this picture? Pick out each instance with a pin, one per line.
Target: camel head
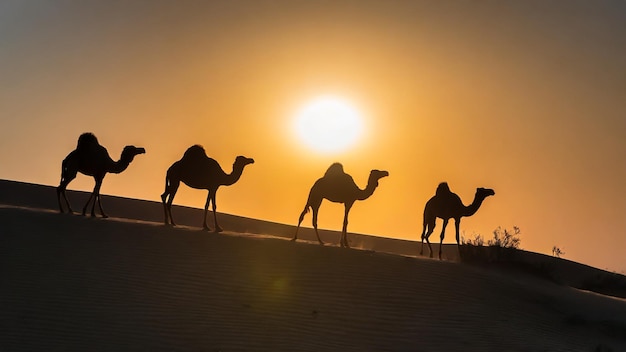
(130, 151)
(242, 161)
(484, 192)
(376, 175)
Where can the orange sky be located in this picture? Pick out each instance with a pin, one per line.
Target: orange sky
(527, 98)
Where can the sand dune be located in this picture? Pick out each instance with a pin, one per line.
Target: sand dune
(129, 283)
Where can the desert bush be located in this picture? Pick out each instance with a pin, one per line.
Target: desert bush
(557, 252)
(477, 241)
(502, 247)
(505, 238)
(503, 252)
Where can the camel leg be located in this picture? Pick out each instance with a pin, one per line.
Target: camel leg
(100, 206)
(206, 210)
(429, 227)
(62, 196)
(96, 198)
(315, 211)
(69, 207)
(457, 225)
(93, 205)
(87, 204)
(422, 246)
(344, 230)
(166, 219)
(217, 227)
(67, 175)
(306, 210)
(443, 234)
(171, 188)
(99, 199)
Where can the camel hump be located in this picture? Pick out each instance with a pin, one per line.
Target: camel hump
(195, 152)
(443, 189)
(87, 140)
(334, 169)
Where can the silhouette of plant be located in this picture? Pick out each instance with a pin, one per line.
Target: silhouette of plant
(503, 252)
(557, 252)
(477, 241)
(505, 238)
(501, 248)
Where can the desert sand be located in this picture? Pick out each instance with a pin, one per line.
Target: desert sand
(129, 283)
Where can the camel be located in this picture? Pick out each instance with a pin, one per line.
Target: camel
(92, 159)
(338, 187)
(447, 205)
(197, 170)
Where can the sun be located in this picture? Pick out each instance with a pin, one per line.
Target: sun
(328, 124)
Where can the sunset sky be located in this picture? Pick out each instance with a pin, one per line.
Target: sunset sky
(525, 97)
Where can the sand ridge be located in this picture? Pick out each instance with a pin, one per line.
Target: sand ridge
(77, 283)
(74, 281)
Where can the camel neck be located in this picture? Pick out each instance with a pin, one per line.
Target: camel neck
(234, 176)
(119, 166)
(369, 190)
(473, 208)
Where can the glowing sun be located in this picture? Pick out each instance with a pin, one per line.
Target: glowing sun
(328, 124)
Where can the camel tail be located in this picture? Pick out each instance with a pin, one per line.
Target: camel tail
(63, 167)
(168, 184)
(304, 212)
(67, 165)
(311, 201)
(424, 223)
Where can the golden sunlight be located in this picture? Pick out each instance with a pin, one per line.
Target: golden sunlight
(328, 124)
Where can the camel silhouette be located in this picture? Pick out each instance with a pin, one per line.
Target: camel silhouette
(338, 187)
(197, 170)
(447, 205)
(92, 159)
